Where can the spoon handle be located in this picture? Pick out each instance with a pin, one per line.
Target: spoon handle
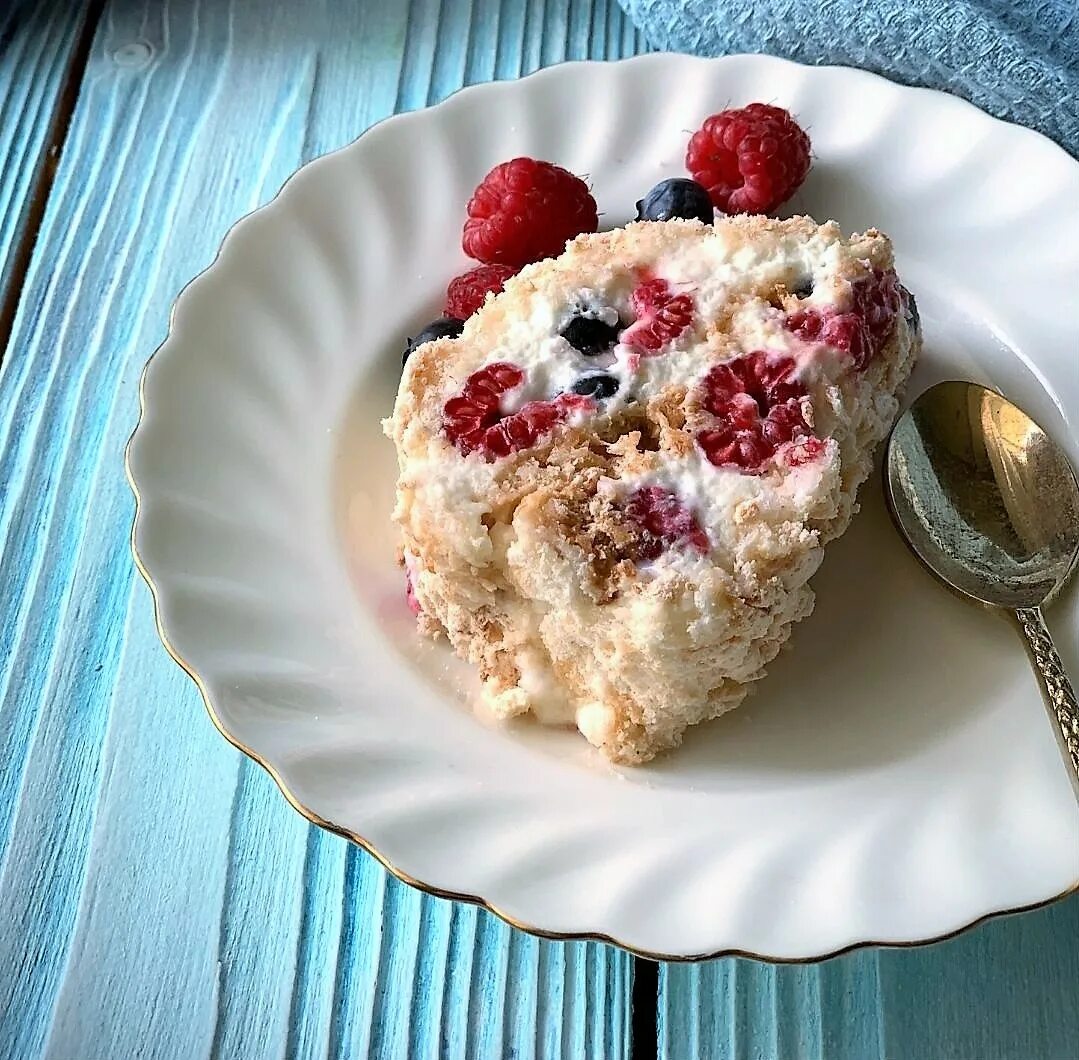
(1055, 683)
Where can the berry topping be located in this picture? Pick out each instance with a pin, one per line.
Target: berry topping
(473, 419)
(877, 300)
(530, 423)
(443, 328)
(676, 198)
(864, 328)
(750, 160)
(803, 452)
(467, 292)
(664, 521)
(662, 316)
(758, 404)
(467, 416)
(598, 385)
(844, 331)
(525, 210)
(590, 336)
(910, 310)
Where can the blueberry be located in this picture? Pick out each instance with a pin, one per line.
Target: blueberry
(803, 288)
(914, 318)
(443, 328)
(676, 198)
(590, 336)
(598, 385)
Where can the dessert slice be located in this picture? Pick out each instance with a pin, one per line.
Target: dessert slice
(617, 482)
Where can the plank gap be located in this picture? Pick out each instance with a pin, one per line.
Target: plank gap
(47, 164)
(643, 1034)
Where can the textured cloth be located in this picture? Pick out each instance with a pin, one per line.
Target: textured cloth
(1017, 59)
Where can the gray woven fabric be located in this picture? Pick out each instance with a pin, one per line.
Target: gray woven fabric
(1018, 60)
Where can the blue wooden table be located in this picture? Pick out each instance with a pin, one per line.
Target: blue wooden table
(158, 898)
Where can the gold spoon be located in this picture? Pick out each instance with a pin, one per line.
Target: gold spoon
(989, 503)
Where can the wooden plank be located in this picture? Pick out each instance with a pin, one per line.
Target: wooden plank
(1004, 990)
(37, 44)
(1007, 989)
(160, 897)
(738, 1008)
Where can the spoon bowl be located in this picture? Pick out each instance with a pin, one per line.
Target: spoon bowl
(990, 504)
(984, 496)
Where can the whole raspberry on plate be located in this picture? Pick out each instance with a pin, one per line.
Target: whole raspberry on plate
(751, 159)
(467, 292)
(525, 210)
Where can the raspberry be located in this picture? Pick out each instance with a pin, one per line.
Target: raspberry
(765, 379)
(467, 292)
(661, 316)
(877, 300)
(530, 423)
(759, 406)
(466, 417)
(863, 329)
(664, 521)
(474, 420)
(844, 331)
(525, 210)
(804, 452)
(751, 160)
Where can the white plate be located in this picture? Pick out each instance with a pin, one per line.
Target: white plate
(895, 777)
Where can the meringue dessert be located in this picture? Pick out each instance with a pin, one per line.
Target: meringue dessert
(617, 482)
